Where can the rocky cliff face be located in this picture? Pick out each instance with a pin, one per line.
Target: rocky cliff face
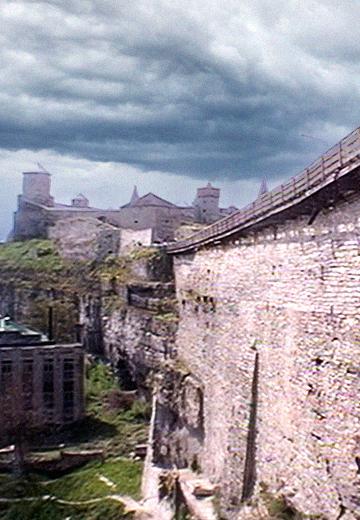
(122, 307)
(33, 278)
(126, 312)
(179, 418)
(139, 330)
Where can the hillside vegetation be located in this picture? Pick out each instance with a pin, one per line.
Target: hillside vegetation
(34, 276)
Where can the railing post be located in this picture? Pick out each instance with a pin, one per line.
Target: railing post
(323, 167)
(340, 154)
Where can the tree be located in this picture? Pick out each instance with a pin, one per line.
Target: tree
(20, 419)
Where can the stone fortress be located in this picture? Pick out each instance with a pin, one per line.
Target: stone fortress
(258, 364)
(269, 333)
(150, 218)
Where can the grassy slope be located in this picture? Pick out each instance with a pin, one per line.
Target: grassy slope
(41, 277)
(36, 264)
(41, 256)
(31, 255)
(114, 430)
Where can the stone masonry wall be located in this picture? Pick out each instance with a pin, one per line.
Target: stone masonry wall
(269, 324)
(82, 238)
(137, 342)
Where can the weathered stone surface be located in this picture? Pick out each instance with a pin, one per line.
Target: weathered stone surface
(178, 422)
(137, 342)
(85, 238)
(291, 296)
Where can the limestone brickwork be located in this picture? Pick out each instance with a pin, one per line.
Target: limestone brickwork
(85, 238)
(270, 327)
(131, 239)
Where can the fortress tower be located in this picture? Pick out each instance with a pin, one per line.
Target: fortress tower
(36, 187)
(207, 204)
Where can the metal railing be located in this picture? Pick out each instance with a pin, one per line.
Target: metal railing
(336, 162)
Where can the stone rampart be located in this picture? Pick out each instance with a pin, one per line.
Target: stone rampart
(269, 325)
(83, 238)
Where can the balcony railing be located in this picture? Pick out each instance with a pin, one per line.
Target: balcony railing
(336, 162)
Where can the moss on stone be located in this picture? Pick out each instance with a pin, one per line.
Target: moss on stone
(113, 269)
(141, 253)
(278, 507)
(112, 303)
(167, 317)
(38, 255)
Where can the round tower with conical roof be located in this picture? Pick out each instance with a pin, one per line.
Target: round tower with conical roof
(37, 186)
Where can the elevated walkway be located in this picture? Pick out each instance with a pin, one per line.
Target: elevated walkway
(336, 164)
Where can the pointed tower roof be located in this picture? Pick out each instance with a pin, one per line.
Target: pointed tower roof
(263, 187)
(134, 197)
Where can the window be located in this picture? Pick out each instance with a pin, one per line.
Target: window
(27, 383)
(68, 369)
(6, 375)
(6, 367)
(68, 388)
(48, 384)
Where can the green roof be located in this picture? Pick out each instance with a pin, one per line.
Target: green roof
(20, 331)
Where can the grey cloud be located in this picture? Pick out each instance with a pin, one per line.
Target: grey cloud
(209, 90)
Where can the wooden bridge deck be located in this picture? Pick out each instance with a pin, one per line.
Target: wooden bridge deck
(337, 162)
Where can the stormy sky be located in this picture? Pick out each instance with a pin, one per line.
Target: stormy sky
(169, 94)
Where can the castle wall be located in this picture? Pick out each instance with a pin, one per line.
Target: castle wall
(37, 211)
(269, 326)
(30, 221)
(162, 221)
(34, 221)
(131, 239)
(82, 238)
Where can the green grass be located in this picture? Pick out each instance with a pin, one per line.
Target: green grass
(85, 483)
(278, 507)
(50, 510)
(99, 381)
(115, 431)
(40, 255)
(140, 253)
(80, 486)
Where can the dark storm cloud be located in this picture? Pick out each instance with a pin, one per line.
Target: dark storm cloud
(205, 89)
